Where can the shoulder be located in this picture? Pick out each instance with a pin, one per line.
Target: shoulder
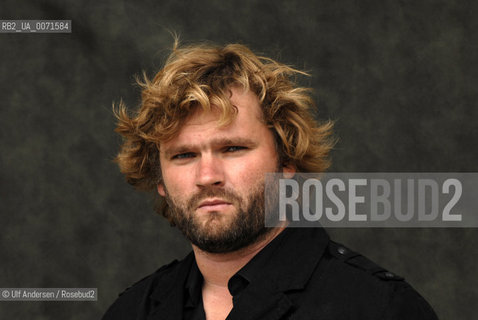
(370, 287)
(352, 261)
(134, 300)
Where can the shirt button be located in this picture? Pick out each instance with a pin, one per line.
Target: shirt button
(389, 275)
(342, 250)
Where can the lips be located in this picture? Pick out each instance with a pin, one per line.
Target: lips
(213, 203)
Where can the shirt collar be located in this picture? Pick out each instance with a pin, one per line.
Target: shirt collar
(287, 262)
(193, 286)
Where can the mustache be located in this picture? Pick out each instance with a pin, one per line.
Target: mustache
(212, 192)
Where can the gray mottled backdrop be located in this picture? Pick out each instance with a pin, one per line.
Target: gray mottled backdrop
(400, 78)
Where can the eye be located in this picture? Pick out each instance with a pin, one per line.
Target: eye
(183, 156)
(234, 148)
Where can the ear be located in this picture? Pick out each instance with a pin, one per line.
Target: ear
(288, 170)
(161, 189)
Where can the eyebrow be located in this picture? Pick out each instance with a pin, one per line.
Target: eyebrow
(184, 148)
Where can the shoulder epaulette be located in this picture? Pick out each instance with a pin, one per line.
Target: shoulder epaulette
(356, 260)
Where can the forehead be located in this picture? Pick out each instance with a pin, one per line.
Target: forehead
(245, 101)
(201, 124)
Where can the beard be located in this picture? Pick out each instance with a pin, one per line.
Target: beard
(217, 232)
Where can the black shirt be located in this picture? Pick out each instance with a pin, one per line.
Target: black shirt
(301, 274)
(193, 305)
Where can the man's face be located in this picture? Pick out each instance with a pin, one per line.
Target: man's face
(213, 177)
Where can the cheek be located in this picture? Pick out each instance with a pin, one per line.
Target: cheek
(255, 176)
(175, 182)
(263, 163)
(247, 175)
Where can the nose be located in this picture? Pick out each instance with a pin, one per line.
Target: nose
(210, 171)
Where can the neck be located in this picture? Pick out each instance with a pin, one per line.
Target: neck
(218, 268)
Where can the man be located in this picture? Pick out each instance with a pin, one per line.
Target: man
(211, 124)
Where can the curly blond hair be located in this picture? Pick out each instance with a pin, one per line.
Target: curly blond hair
(200, 76)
